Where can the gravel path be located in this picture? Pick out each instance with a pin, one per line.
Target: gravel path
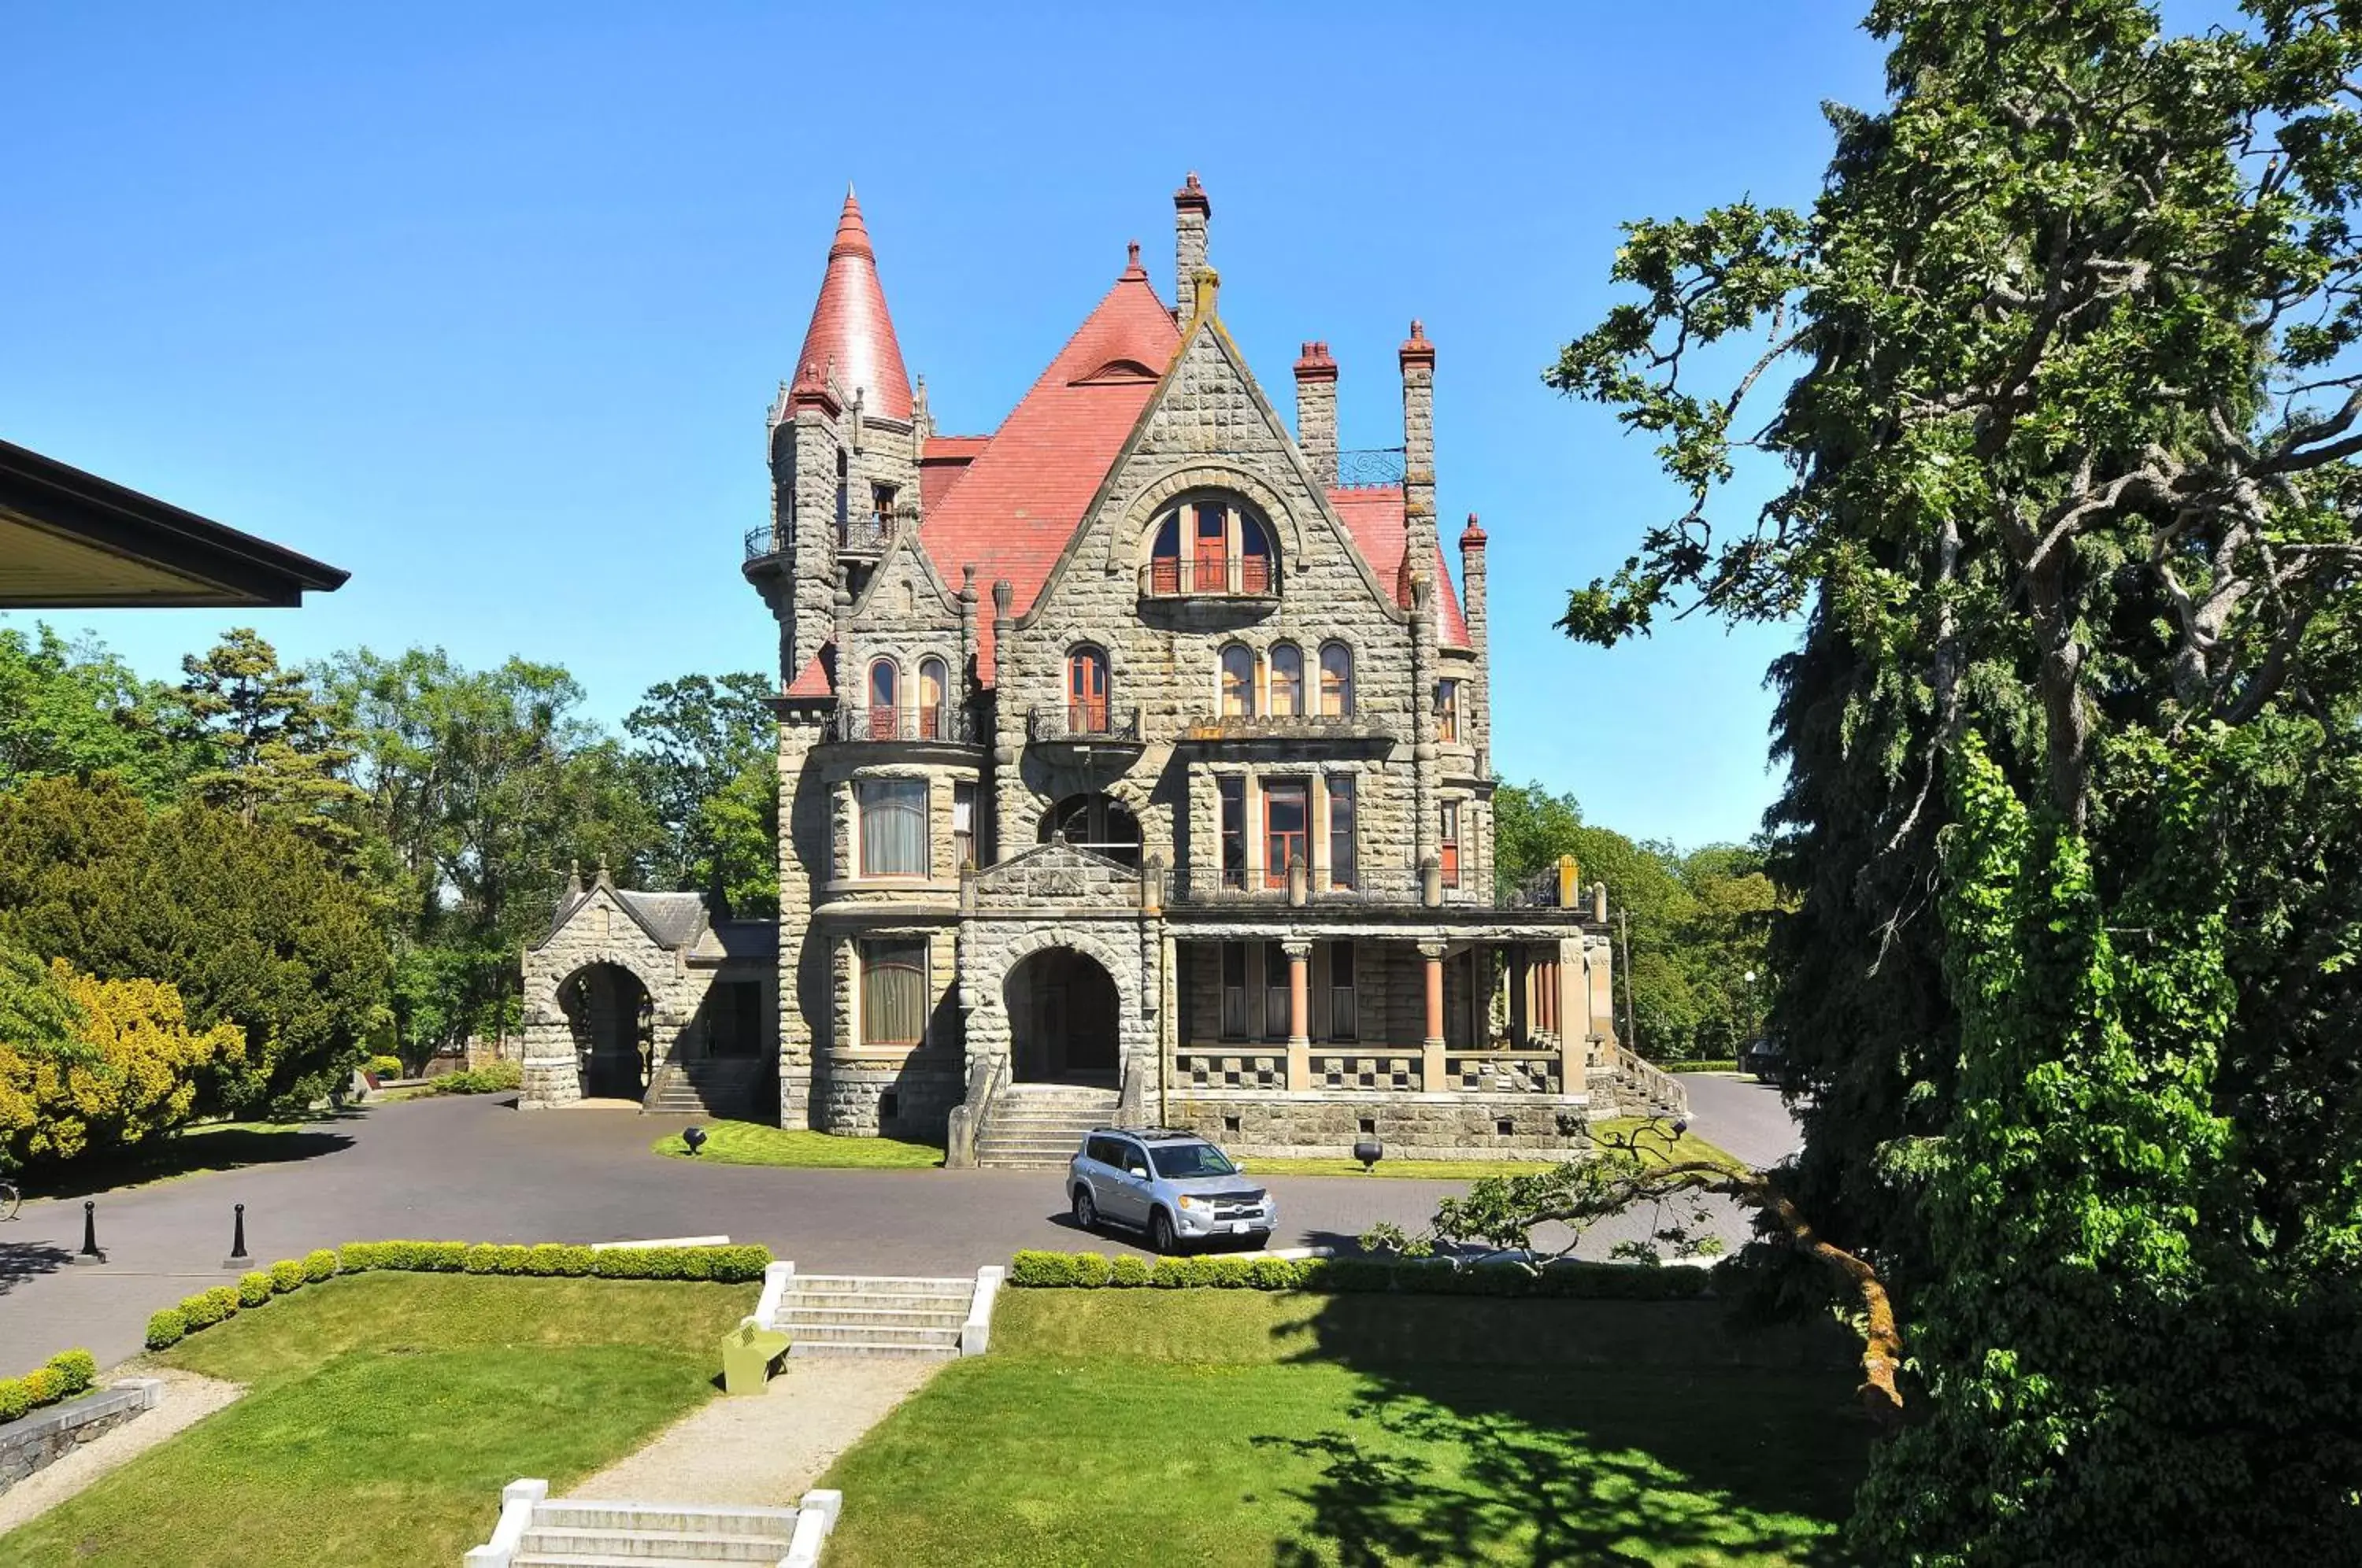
(188, 1399)
(766, 1451)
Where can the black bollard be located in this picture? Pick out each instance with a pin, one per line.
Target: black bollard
(237, 1258)
(90, 1253)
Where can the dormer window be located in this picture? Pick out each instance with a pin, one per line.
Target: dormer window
(1212, 547)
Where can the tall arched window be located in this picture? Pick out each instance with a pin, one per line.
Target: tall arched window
(934, 691)
(1238, 682)
(1286, 681)
(885, 691)
(1336, 681)
(1210, 545)
(1087, 690)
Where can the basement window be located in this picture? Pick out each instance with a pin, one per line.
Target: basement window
(1230, 1124)
(1370, 1125)
(1505, 1128)
(889, 1103)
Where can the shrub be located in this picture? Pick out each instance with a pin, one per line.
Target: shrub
(253, 1289)
(385, 1066)
(286, 1276)
(207, 1307)
(67, 1373)
(491, 1079)
(1567, 1279)
(319, 1265)
(727, 1265)
(78, 1368)
(167, 1328)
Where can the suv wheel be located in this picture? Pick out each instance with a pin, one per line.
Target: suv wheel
(1087, 1213)
(1160, 1233)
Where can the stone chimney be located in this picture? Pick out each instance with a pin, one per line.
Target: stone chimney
(1190, 212)
(1316, 411)
(1472, 588)
(1418, 359)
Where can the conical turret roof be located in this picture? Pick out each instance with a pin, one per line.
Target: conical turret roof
(851, 335)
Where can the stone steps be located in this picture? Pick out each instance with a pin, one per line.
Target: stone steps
(873, 1315)
(1040, 1126)
(584, 1533)
(723, 1087)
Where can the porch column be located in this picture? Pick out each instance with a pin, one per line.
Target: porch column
(1300, 1013)
(1432, 1071)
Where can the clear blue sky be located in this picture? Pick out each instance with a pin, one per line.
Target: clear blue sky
(485, 304)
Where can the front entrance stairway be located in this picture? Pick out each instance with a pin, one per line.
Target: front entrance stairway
(708, 1086)
(837, 1314)
(1037, 1126)
(570, 1532)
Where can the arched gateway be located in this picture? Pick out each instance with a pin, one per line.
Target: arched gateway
(1064, 1018)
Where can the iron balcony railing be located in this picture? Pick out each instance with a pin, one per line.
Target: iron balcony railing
(867, 721)
(1082, 722)
(855, 536)
(1230, 577)
(1366, 466)
(1359, 885)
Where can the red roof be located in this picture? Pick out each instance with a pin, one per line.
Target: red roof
(817, 676)
(1012, 513)
(1374, 515)
(850, 329)
(940, 462)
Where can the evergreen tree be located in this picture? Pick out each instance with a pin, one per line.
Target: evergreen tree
(275, 746)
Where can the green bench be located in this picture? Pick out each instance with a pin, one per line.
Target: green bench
(747, 1352)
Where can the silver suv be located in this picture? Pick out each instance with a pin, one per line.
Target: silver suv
(1174, 1186)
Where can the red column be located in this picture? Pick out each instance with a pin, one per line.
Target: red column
(1433, 1064)
(1300, 1013)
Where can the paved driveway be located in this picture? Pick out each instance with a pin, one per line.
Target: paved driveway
(477, 1169)
(1746, 1118)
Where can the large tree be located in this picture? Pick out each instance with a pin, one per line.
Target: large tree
(2062, 371)
(274, 745)
(695, 740)
(76, 709)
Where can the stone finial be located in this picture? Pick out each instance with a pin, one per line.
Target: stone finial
(573, 877)
(1133, 271)
(1472, 536)
(1004, 595)
(1208, 286)
(1415, 348)
(606, 878)
(968, 582)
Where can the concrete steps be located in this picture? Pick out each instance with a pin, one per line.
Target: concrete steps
(718, 1087)
(1040, 1126)
(585, 1533)
(835, 1315)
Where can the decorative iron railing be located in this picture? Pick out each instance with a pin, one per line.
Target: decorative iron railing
(865, 722)
(1082, 722)
(1230, 577)
(1366, 466)
(1355, 884)
(855, 536)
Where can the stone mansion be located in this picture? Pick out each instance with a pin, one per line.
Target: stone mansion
(1134, 763)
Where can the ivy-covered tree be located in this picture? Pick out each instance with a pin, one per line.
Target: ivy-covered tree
(2061, 371)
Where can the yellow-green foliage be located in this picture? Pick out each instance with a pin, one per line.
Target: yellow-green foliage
(133, 1072)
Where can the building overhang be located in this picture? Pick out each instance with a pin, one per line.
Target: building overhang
(71, 540)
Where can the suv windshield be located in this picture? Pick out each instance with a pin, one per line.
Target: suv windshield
(1177, 1161)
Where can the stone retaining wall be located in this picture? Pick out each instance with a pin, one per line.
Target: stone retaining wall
(47, 1436)
(1326, 1124)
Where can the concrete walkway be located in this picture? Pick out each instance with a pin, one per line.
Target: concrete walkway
(766, 1450)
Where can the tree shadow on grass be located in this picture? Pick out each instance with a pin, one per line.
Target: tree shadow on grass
(193, 1152)
(1572, 1431)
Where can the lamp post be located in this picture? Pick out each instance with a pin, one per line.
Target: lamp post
(1751, 1006)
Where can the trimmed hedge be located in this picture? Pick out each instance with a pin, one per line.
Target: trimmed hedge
(726, 1265)
(1564, 1279)
(65, 1374)
(492, 1079)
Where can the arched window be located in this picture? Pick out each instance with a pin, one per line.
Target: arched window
(1336, 681)
(934, 691)
(885, 691)
(1087, 690)
(1238, 682)
(1210, 545)
(1100, 823)
(1286, 681)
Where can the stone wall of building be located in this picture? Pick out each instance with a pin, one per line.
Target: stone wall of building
(600, 931)
(1327, 1123)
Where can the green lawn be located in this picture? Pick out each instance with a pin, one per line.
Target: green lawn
(755, 1143)
(386, 1411)
(1236, 1427)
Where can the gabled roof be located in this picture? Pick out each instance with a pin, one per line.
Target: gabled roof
(817, 676)
(670, 920)
(1375, 515)
(1014, 512)
(850, 336)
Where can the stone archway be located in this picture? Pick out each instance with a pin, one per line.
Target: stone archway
(1066, 1019)
(609, 1011)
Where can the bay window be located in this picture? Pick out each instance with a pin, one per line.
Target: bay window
(893, 826)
